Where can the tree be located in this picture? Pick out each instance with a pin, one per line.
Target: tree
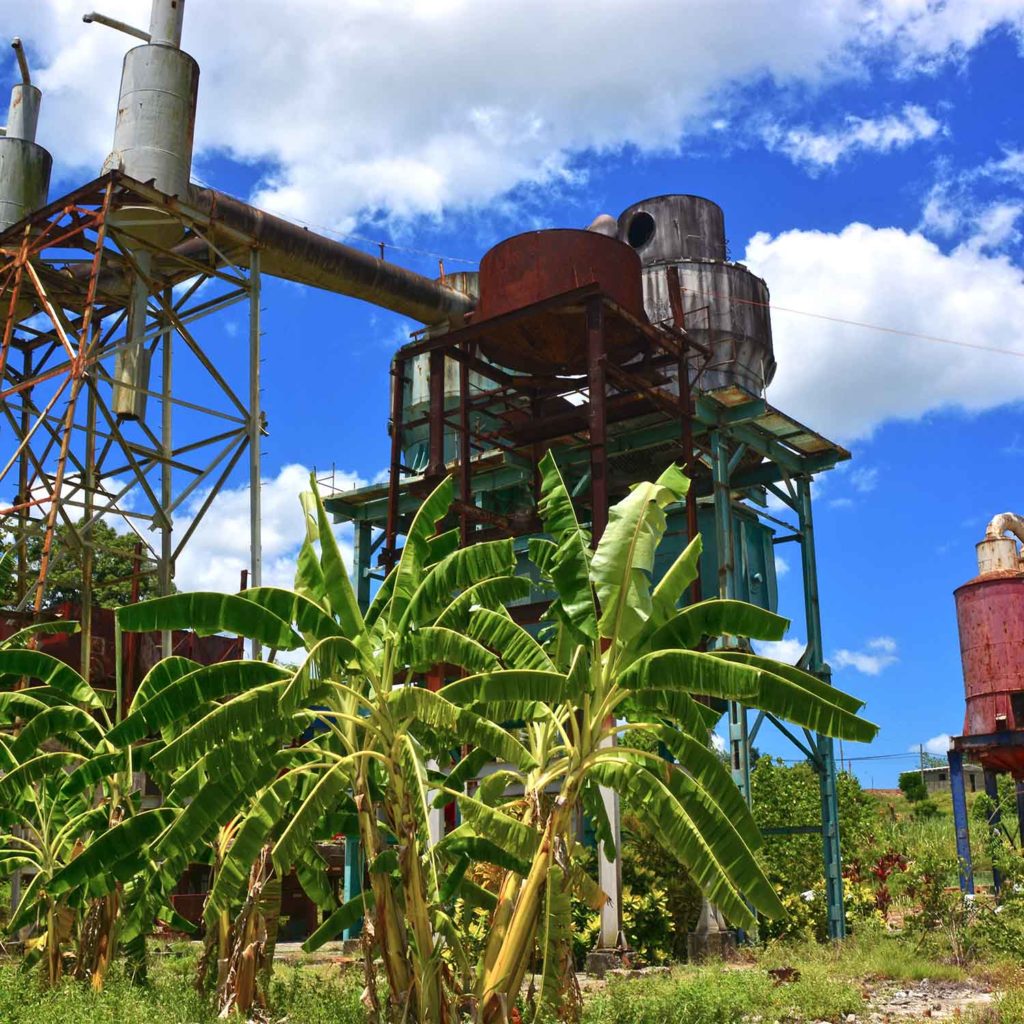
(114, 562)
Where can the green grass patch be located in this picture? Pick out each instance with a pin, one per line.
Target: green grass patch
(720, 995)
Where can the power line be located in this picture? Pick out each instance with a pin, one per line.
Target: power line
(861, 323)
(771, 306)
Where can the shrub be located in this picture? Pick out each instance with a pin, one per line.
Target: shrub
(912, 786)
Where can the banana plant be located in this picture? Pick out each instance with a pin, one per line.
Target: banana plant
(350, 731)
(60, 790)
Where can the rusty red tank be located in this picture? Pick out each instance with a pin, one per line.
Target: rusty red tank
(990, 615)
(539, 265)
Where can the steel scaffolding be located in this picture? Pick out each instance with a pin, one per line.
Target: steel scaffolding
(624, 425)
(91, 296)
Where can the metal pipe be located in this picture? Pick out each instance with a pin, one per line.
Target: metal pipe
(165, 22)
(19, 52)
(1005, 522)
(297, 254)
(120, 26)
(255, 428)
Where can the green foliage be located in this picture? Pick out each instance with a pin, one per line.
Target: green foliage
(912, 786)
(113, 565)
(784, 795)
(258, 763)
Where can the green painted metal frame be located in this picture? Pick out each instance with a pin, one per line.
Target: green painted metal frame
(727, 433)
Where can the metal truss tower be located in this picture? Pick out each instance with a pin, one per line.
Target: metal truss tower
(92, 298)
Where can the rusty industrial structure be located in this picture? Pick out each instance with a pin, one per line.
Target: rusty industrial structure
(620, 348)
(990, 616)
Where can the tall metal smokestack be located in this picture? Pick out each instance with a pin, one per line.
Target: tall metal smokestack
(24, 165)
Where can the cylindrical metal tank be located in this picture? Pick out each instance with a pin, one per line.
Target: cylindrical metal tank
(725, 305)
(24, 179)
(153, 134)
(990, 618)
(674, 227)
(24, 166)
(538, 265)
(156, 116)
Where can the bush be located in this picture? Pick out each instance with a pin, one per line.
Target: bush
(912, 786)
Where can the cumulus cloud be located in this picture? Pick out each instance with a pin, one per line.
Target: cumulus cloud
(896, 279)
(422, 105)
(218, 551)
(936, 746)
(817, 150)
(786, 651)
(878, 655)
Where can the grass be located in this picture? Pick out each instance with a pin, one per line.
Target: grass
(306, 995)
(714, 995)
(829, 987)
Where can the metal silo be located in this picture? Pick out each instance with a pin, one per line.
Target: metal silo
(24, 165)
(725, 305)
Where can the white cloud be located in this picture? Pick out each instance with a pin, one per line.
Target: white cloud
(937, 746)
(845, 379)
(218, 551)
(864, 478)
(786, 651)
(878, 655)
(818, 150)
(781, 565)
(420, 105)
(718, 743)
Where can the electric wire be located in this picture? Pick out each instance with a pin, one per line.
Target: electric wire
(771, 306)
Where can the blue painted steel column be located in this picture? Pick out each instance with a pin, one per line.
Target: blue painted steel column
(831, 847)
(353, 880)
(739, 745)
(1020, 814)
(992, 791)
(963, 836)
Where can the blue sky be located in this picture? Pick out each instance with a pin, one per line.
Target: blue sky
(869, 158)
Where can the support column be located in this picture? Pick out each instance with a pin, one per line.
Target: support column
(739, 746)
(353, 881)
(963, 835)
(825, 749)
(1020, 815)
(390, 553)
(255, 431)
(598, 421)
(992, 792)
(361, 564)
(166, 568)
(435, 417)
(88, 554)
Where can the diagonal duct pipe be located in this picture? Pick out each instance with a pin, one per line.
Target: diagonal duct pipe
(153, 142)
(297, 254)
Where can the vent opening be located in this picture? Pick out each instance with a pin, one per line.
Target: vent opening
(640, 230)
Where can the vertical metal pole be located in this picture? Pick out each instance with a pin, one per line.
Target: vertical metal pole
(1020, 814)
(992, 792)
(255, 429)
(390, 553)
(609, 873)
(831, 848)
(963, 835)
(353, 880)
(465, 451)
(21, 588)
(166, 568)
(597, 388)
(739, 746)
(88, 553)
(361, 564)
(675, 299)
(435, 461)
